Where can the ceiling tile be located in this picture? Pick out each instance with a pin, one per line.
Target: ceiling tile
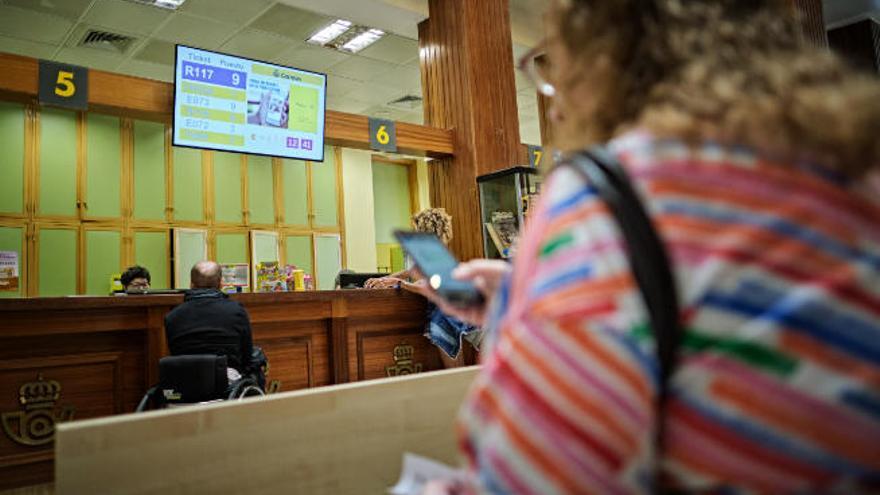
(310, 57)
(527, 100)
(90, 57)
(290, 22)
(32, 25)
(196, 31)
(71, 9)
(530, 132)
(345, 104)
(27, 48)
(340, 86)
(406, 77)
(375, 93)
(414, 117)
(392, 48)
(148, 70)
(362, 69)
(236, 11)
(128, 17)
(255, 44)
(523, 82)
(157, 51)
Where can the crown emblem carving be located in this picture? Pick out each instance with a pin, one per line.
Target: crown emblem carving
(34, 424)
(403, 361)
(38, 394)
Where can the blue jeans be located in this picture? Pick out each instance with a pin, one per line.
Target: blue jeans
(445, 331)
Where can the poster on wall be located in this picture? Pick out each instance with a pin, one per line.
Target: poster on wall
(8, 271)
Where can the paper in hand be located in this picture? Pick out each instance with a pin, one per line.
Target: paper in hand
(418, 471)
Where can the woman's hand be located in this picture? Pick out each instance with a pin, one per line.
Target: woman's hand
(383, 283)
(443, 487)
(486, 275)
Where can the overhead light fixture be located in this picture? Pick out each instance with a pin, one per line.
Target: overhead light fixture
(330, 32)
(164, 4)
(362, 40)
(345, 36)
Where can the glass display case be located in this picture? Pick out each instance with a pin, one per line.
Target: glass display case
(506, 196)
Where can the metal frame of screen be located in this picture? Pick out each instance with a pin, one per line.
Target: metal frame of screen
(208, 147)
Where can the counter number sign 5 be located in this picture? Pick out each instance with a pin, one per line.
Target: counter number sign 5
(63, 85)
(383, 135)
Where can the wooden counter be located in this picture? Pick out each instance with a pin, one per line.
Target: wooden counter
(86, 357)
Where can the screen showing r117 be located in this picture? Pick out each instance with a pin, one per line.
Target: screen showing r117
(228, 103)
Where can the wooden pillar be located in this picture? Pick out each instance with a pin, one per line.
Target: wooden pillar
(813, 21)
(468, 86)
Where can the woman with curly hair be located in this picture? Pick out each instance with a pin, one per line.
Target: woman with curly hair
(442, 330)
(753, 154)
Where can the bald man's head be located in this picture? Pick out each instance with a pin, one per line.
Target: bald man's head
(205, 275)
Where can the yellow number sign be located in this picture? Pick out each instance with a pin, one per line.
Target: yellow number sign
(64, 86)
(382, 135)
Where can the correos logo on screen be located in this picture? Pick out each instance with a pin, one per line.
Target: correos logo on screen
(229, 103)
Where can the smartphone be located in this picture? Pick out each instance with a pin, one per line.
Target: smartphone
(436, 263)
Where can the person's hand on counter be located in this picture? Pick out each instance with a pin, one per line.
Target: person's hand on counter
(383, 283)
(486, 275)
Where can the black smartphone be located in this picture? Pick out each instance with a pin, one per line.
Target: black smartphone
(436, 263)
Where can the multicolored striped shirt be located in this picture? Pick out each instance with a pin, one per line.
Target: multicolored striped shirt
(777, 389)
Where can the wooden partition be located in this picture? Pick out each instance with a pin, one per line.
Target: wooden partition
(86, 357)
(340, 440)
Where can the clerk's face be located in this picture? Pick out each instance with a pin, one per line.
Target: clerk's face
(138, 283)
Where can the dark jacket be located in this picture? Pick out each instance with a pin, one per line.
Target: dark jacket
(208, 322)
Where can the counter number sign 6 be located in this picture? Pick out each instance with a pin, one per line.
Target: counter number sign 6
(63, 85)
(383, 135)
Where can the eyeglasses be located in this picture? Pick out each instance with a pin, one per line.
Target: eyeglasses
(534, 65)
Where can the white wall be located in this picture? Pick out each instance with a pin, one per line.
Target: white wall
(424, 194)
(360, 229)
(360, 222)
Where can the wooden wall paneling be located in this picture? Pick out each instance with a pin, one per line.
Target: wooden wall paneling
(147, 99)
(812, 20)
(339, 340)
(468, 84)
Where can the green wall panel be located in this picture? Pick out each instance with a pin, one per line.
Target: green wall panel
(227, 187)
(102, 260)
(58, 150)
(188, 185)
(265, 247)
(324, 189)
(10, 240)
(261, 197)
(299, 252)
(391, 200)
(192, 247)
(103, 165)
(296, 202)
(151, 251)
(232, 248)
(328, 257)
(12, 119)
(149, 171)
(57, 260)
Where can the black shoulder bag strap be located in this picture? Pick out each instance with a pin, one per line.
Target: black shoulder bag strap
(647, 258)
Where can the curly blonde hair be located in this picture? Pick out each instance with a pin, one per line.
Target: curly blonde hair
(737, 71)
(434, 221)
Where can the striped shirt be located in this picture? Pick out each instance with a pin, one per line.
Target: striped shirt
(778, 384)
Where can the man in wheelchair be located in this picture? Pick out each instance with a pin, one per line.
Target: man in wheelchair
(212, 351)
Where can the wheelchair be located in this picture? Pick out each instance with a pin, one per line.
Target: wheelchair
(196, 379)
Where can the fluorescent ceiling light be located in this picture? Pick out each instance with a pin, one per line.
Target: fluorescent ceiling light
(362, 40)
(330, 32)
(165, 4)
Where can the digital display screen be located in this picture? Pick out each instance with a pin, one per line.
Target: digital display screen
(228, 103)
